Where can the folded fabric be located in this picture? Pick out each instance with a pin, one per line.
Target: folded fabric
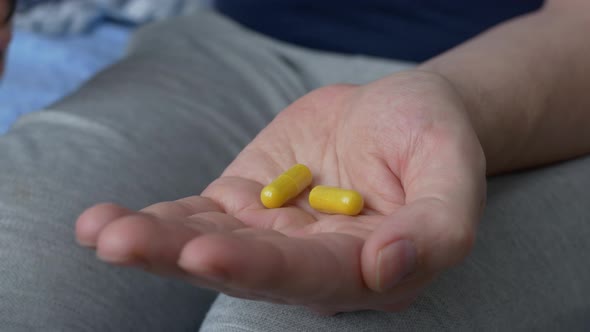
(66, 17)
(34, 79)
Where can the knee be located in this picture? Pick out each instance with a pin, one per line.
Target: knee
(231, 314)
(201, 35)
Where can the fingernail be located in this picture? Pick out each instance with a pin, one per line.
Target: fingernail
(394, 262)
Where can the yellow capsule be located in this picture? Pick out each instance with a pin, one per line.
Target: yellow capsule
(336, 200)
(286, 186)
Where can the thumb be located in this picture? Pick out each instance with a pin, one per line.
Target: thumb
(421, 238)
(434, 230)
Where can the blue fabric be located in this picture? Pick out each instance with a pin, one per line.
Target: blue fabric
(41, 69)
(401, 29)
(66, 17)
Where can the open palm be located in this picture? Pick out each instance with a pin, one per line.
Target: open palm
(404, 142)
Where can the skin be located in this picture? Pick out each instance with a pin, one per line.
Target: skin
(417, 145)
(5, 31)
(416, 161)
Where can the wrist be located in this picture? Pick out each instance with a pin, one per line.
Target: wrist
(499, 137)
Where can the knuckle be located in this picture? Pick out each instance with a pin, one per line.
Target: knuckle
(159, 208)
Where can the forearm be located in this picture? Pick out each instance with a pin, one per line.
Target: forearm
(526, 85)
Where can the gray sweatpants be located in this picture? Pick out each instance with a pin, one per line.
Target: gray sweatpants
(166, 120)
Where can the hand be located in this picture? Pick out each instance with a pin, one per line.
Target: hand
(6, 11)
(404, 142)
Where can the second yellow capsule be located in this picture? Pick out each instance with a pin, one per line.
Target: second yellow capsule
(336, 200)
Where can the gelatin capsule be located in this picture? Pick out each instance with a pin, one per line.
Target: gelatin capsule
(334, 200)
(286, 186)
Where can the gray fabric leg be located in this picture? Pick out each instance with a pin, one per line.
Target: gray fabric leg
(160, 125)
(528, 271)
